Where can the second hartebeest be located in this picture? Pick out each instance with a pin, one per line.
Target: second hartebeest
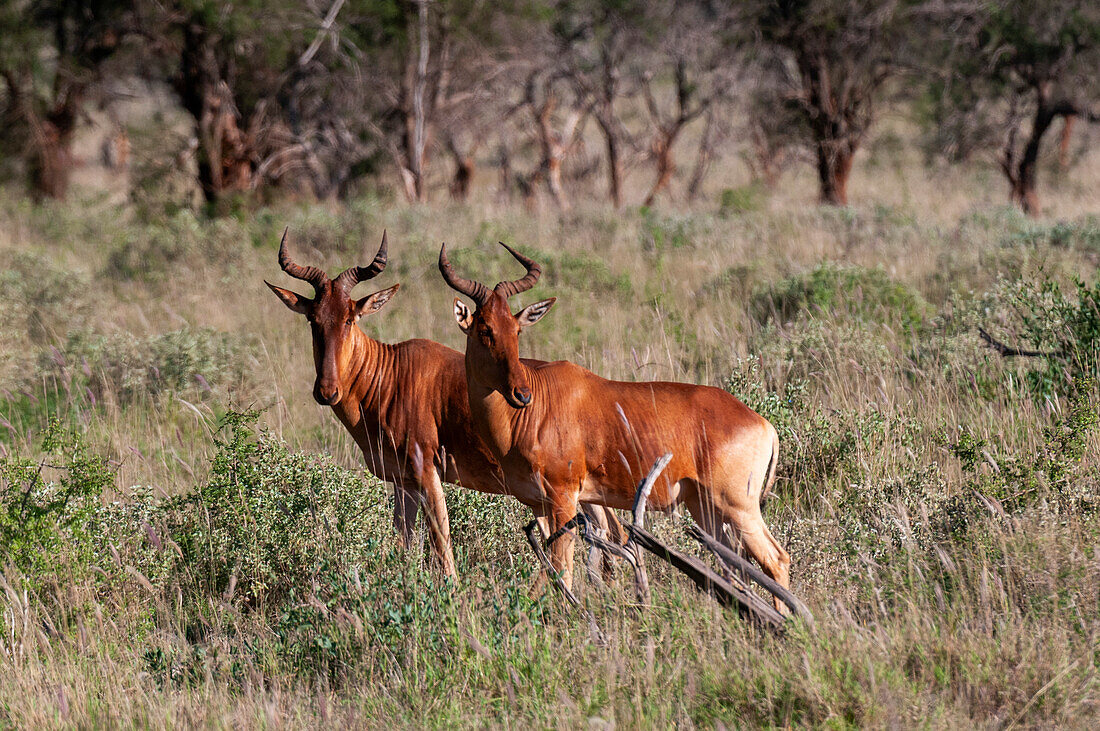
(575, 437)
(404, 404)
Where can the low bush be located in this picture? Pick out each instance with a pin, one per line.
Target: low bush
(1052, 475)
(867, 295)
(162, 249)
(1065, 327)
(659, 232)
(269, 521)
(48, 506)
(43, 301)
(748, 198)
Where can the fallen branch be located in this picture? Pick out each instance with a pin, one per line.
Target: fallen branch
(707, 580)
(641, 496)
(1008, 351)
(530, 531)
(736, 562)
(641, 581)
(646, 487)
(536, 545)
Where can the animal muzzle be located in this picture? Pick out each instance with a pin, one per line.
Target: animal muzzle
(325, 394)
(518, 397)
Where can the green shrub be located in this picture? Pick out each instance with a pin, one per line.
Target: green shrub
(782, 409)
(269, 520)
(1082, 234)
(1053, 473)
(660, 232)
(47, 506)
(164, 249)
(398, 612)
(868, 295)
(743, 199)
(1068, 327)
(41, 300)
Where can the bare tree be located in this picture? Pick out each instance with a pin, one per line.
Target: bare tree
(691, 47)
(558, 114)
(595, 41)
(1010, 70)
(839, 53)
(48, 98)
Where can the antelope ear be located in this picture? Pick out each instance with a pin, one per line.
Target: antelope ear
(296, 302)
(374, 302)
(531, 314)
(463, 316)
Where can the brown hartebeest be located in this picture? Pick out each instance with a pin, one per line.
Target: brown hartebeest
(578, 438)
(404, 404)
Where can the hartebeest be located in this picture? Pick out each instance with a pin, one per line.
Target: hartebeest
(404, 404)
(575, 437)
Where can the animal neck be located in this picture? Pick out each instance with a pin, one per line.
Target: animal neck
(496, 420)
(367, 372)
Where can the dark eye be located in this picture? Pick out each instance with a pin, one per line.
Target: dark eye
(486, 334)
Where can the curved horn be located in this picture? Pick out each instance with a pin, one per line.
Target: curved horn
(476, 291)
(507, 289)
(353, 276)
(313, 275)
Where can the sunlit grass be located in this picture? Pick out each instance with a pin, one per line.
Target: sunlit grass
(934, 607)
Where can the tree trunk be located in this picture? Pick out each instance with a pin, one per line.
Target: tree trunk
(51, 158)
(553, 150)
(702, 158)
(463, 177)
(662, 149)
(416, 163)
(506, 176)
(834, 166)
(225, 160)
(553, 181)
(224, 152)
(1023, 179)
(614, 164)
(1063, 143)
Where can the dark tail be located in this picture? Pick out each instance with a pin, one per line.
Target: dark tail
(770, 479)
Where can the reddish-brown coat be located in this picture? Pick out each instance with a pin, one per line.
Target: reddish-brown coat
(572, 436)
(404, 404)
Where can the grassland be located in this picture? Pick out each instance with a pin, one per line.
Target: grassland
(173, 560)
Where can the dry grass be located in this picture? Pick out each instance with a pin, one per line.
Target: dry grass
(931, 613)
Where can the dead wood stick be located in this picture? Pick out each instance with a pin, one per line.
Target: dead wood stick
(1008, 351)
(544, 560)
(641, 582)
(706, 579)
(736, 562)
(646, 487)
(641, 497)
(530, 530)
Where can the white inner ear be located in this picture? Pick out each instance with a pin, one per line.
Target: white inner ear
(533, 313)
(463, 316)
(374, 302)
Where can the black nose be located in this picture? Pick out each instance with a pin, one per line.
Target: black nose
(522, 395)
(326, 399)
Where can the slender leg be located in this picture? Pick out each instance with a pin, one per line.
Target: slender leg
(561, 551)
(439, 524)
(706, 516)
(405, 504)
(763, 547)
(596, 557)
